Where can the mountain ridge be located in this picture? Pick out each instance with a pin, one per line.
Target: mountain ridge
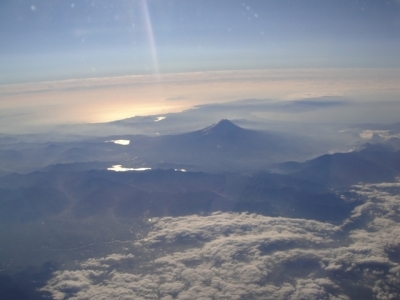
(224, 126)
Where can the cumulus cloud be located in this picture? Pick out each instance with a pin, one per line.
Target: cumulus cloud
(105, 262)
(384, 134)
(248, 256)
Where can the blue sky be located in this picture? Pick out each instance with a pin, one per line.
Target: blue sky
(51, 40)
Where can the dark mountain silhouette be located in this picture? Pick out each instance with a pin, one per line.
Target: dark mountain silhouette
(223, 127)
(383, 155)
(223, 146)
(226, 146)
(31, 203)
(395, 127)
(374, 163)
(283, 195)
(156, 193)
(99, 193)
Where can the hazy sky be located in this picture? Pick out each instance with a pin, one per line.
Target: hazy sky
(48, 40)
(373, 93)
(145, 53)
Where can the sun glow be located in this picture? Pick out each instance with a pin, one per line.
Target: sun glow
(107, 99)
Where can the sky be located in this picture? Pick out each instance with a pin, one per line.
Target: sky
(45, 40)
(372, 93)
(54, 41)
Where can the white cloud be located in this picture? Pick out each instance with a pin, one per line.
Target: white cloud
(384, 134)
(236, 256)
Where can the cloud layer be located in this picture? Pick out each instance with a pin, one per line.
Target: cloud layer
(33, 105)
(248, 256)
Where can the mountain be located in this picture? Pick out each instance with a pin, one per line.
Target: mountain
(287, 196)
(73, 194)
(374, 163)
(226, 146)
(223, 146)
(68, 193)
(223, 128)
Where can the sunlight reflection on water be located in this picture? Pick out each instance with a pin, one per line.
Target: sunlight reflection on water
(119, 168)
(120, 142)
(159, 119)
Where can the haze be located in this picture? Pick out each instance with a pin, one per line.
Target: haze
(200, 149)
(99, 61)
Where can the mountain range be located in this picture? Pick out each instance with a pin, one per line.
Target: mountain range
(62, 202)
(373, 163)
(223, 146)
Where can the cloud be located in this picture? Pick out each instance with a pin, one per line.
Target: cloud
(105, 262)
(236, 256)
(384, 134)
(313, 104)
(265, 105)
(105, 99)
(176, 98)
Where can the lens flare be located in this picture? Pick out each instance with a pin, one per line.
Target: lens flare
(150, 35)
